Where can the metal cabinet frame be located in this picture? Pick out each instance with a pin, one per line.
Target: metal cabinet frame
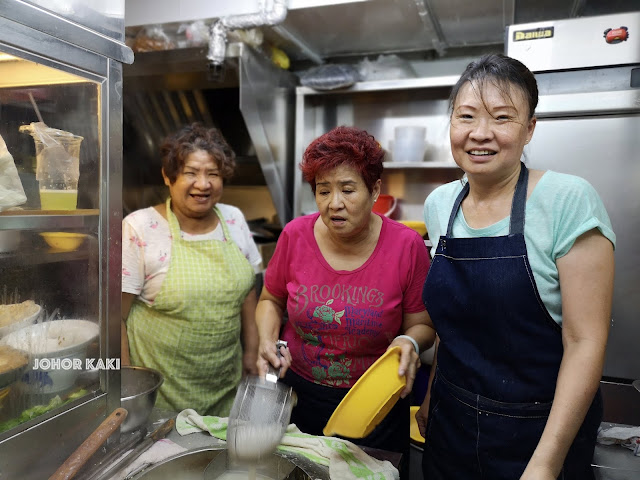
(36, 448)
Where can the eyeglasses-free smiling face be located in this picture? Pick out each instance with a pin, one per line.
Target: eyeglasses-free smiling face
(198, 186)
(489, 127)
(344, 201)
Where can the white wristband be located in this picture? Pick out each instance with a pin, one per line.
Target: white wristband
(412, 340)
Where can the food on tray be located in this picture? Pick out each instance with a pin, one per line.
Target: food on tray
(33, 412)
(11, 359)
(16, 312)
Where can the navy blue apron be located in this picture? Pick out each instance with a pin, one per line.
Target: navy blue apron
(498, 359)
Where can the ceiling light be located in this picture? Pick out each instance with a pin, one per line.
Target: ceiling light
(5, 57)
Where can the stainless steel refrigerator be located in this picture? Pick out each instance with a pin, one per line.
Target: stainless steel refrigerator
(588, 72)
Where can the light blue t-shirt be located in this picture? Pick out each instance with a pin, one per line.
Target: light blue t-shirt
(560, 209)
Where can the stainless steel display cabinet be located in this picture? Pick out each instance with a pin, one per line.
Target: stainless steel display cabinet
(73, 75)
(378, 107)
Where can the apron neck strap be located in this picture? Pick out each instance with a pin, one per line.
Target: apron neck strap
(519, 202)
(516, 223)
(174, 225)
(456, 206)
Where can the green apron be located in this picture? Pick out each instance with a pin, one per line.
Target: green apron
(191, 333)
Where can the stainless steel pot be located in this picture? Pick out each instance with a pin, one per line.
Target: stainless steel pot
(191, 465)
(138, 392)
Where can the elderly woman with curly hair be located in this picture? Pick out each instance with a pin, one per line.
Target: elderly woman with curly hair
(188, 292)
(350, 282)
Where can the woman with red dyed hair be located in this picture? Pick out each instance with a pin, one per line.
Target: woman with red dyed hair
(350, 282)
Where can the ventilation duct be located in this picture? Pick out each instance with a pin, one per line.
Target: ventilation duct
(272, 12)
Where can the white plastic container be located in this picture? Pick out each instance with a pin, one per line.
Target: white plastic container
(409, 144)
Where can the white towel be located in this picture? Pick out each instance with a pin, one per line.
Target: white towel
(628, 437)
(346, 461)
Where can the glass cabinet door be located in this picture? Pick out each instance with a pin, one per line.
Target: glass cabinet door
(50, 256)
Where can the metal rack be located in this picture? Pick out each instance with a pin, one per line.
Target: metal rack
(378, 107)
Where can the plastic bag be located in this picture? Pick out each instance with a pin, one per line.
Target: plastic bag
(11, 190)
(152, 38)
(195, 33)
(253, 37)
(330, 76)
(56, 164)
(385, 67)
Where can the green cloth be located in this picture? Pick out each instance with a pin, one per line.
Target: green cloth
(192, 331)
(346, 461)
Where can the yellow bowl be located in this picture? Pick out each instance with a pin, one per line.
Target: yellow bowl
(63, 241)
(370, 398)
(414, 431)
(416, 225)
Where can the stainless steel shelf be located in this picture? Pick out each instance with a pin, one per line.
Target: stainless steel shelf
(387, 85)
(41, 256)
(40, 219)
(379, 107)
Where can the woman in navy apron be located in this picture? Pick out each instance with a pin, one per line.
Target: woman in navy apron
(519, 291)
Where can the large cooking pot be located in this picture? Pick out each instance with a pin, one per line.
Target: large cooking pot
(191, 465)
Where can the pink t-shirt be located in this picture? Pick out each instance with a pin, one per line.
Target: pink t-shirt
(340, 322)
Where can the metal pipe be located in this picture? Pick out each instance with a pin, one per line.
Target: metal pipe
(272, 12)
(217, 44)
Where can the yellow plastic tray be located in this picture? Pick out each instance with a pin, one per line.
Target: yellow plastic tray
(416, 225)
(370, 398)
(414, 431)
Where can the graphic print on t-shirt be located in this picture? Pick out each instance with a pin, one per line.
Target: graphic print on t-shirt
(342, 330)
(327, 314)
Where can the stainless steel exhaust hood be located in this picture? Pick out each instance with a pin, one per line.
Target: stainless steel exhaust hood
(252, 104)
(319, 30)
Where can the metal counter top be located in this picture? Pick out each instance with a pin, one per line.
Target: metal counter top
(613, 462)
(610, 462)
(201, 440)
